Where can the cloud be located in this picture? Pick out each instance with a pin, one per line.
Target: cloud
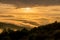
(30, 22)
(23, 3)
(6, 16)
(55, 9)
(25, 21)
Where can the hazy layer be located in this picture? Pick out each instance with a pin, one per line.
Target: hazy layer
(38, 15)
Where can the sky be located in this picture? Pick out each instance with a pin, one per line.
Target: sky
(29, 12)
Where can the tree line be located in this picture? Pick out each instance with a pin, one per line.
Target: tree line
(44, 32)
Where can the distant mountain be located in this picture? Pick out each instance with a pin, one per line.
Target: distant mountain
(5, 25)
(9, 25)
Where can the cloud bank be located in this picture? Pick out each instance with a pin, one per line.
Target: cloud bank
(23, 3)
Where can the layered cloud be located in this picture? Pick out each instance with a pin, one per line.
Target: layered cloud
(44, 11)
(23, 3)
(6, 16)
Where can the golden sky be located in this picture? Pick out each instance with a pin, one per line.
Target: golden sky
(29, 12)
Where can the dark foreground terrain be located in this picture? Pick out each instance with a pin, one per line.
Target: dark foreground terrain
(44, 32)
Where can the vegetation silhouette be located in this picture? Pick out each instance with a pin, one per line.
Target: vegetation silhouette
(44, 32)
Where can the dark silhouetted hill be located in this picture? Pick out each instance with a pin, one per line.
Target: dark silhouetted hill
(44, 32)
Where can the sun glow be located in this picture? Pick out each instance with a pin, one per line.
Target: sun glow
(27, 10)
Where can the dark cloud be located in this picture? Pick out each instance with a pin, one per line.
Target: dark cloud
(25, 21)
(30, 22)
(56, 17)
(55, 9)
(23, 3)
(42, 19)
(6, 16)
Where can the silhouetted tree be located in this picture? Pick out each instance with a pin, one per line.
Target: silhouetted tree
(44, 32)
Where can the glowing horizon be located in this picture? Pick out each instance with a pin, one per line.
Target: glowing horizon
(39, 14)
